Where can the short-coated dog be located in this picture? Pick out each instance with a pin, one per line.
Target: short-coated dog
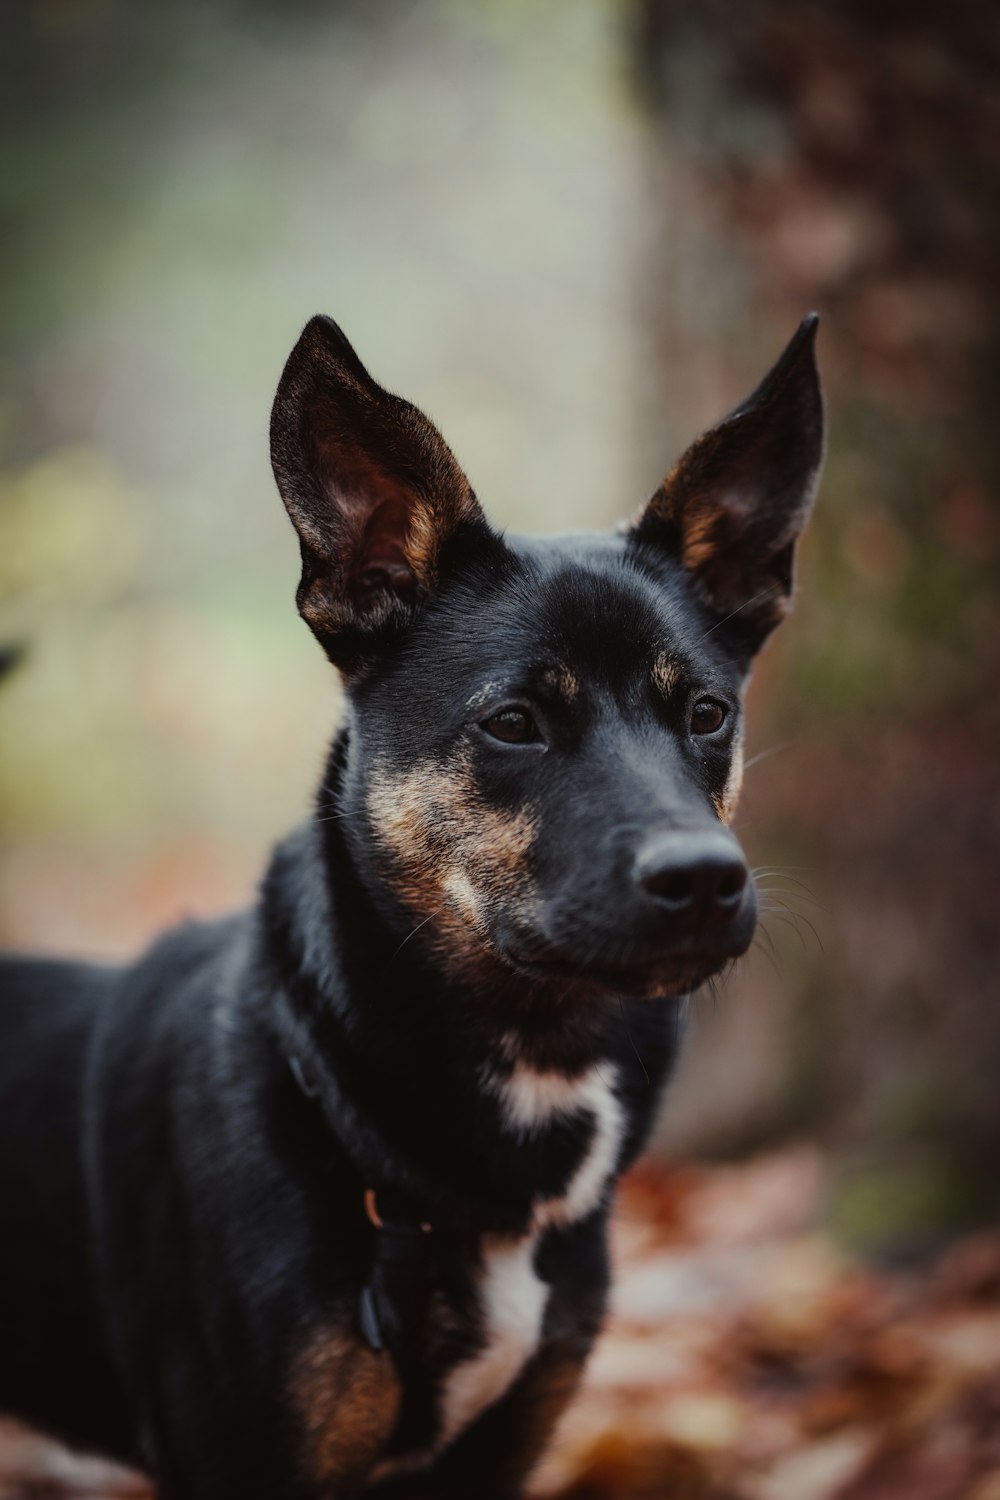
(313, 1201)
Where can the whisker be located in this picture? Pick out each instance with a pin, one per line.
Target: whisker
(755, 760)
(787, 921)
(792, 919)
(416, 930)
(714, 983)
(628, 1033)
(761, 937)
(780, 898)
(804, 892)
(763, 871)
(745, 605)
(780, 890)
(784, 868)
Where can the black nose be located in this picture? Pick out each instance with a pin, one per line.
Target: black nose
(697, 878)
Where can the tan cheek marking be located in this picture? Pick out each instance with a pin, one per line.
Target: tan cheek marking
(725, 804)
(346, 1399)
(463, 895)
(666, 675)
(455, 856)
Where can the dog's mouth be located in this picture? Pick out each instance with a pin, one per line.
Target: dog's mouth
(665, 975)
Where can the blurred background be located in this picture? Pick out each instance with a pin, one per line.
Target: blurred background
(575, 234)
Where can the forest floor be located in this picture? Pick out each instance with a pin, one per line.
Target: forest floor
(747, 1358)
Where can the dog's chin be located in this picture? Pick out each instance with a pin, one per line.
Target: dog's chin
(665, 977)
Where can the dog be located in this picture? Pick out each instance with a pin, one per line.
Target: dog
(312, 1201)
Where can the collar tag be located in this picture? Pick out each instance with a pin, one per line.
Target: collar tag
(368, 1318)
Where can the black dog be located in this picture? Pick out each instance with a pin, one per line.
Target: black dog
(313, 1201)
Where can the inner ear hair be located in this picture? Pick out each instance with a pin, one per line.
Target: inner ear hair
(370, 486)
(733, 507)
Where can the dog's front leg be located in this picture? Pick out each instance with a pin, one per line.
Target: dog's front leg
(312, 1433)
(344, 1402)
(493, 1459)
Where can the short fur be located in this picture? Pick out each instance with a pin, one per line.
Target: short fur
(460, 988)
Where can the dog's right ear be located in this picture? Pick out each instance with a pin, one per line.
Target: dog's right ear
(372, 489)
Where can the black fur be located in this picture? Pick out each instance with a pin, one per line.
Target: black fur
(187, 1141)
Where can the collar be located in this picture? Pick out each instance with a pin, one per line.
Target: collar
(392, 1304)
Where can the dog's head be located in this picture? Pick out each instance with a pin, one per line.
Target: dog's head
(545, 736)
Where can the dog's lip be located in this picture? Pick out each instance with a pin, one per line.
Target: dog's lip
(672, 973)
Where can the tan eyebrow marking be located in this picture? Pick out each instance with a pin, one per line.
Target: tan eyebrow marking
(666, 675)
(561, 679)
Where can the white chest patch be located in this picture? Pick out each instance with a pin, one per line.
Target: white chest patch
(531, 1100)
(513, 1304)
(512, 1296)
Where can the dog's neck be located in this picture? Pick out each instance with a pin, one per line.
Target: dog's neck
(399, 1051)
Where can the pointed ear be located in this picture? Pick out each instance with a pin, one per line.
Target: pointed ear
(372, 489)
(732, 509)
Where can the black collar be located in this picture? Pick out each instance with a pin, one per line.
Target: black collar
(392, 1305)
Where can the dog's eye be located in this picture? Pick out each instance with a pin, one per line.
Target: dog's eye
(513, 726)
(707, 716)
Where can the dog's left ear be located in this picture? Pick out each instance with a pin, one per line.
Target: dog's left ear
(372, 489)
(733, 507)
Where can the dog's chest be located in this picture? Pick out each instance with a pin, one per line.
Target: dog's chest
(511, 1296)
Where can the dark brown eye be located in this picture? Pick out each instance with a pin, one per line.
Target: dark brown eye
(707, 716)
(512, 726)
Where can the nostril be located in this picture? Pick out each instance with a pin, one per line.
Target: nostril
(696, 879)
(674, 888)
(730, 886)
